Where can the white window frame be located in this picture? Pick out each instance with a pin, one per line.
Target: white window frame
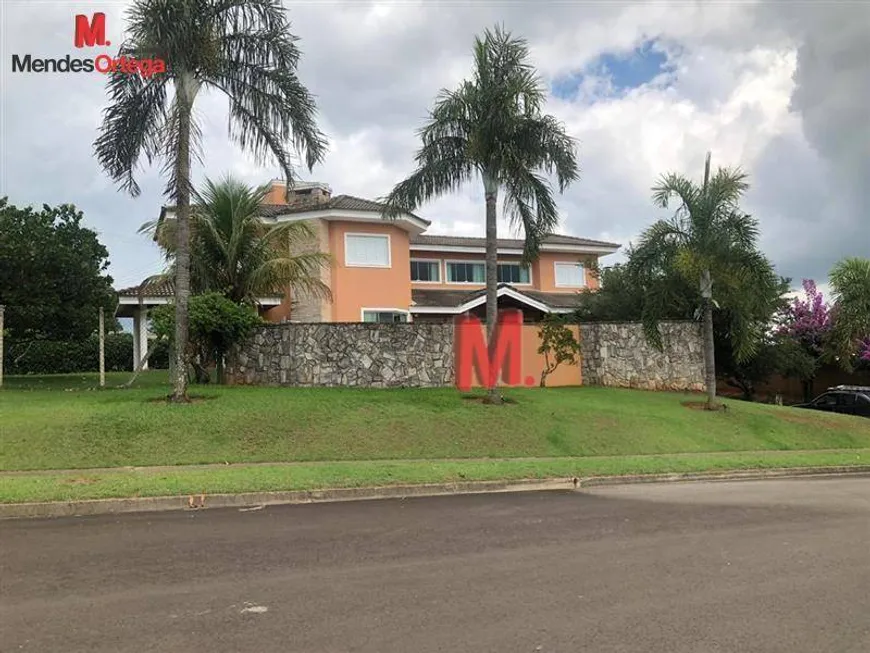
(519, 283)
(447, 262)
(579, 264)
(369, 309)
(369, 235)
(441, 272)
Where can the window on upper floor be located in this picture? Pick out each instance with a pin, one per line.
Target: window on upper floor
(367, 250)
(570, 275)
(513, 273)
(384, 317)
(426, 271)
(461, 272)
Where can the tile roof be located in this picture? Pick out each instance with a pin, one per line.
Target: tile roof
(151, 287)
(466, 241)
(338, 202)
(428, 297)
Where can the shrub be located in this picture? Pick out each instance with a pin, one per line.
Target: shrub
(66, 357)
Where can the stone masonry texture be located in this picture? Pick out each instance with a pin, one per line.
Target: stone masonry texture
(421, 354)
(345, 354)
(618, 355)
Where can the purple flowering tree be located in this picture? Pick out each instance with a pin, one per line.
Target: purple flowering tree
(807, 322)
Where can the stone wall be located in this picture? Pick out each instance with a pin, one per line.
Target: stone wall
(341, 354)
(421, 354)
(619, 355)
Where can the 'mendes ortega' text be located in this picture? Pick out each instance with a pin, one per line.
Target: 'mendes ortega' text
(102, 64)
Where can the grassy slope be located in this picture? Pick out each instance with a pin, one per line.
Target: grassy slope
(82, 485)
(44, 427)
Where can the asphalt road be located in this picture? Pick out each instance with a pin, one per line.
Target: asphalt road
(753, 566)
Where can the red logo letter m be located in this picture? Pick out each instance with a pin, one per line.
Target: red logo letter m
(502, 356)
(91, 32)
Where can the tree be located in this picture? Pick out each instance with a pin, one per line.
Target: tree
(492, 127)
(621, 295)
(808, 323)
(850, 281)
(708, 238)
(53, 276)
(558, 345)
(233, 253)
(242, 48)
(216, 324)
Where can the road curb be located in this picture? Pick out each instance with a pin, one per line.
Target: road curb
(255, 500)
(746, 475)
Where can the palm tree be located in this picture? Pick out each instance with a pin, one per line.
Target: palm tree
(708, 238)
(242, 48)
(235, 254)
(492, 127)
(850, 281)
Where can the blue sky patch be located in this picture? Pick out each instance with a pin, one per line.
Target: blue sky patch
(625, 70)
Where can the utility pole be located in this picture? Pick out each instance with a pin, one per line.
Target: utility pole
(102, 349)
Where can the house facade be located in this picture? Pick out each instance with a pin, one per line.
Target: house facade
(393, 271)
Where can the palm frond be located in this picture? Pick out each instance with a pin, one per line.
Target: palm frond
(132, 126)
(171, 148)
(547, 146)
(427, 182)
(529, 204)
(671, 186)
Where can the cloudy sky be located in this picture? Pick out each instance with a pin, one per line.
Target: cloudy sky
(781, 89)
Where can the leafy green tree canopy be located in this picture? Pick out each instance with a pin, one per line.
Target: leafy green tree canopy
(216, 324)
(53, 276)
(850, 281)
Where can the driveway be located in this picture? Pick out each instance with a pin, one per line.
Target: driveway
(701, 568)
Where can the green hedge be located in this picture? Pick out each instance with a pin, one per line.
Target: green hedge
(54, 357)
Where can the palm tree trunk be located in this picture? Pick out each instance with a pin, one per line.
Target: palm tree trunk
(491, 193)
(709, 357)
(185, 91)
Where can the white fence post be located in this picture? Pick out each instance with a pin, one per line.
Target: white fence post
(102, 349)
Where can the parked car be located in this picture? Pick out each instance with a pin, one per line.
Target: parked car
(848, 399)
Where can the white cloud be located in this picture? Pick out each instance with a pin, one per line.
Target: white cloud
(780, 89)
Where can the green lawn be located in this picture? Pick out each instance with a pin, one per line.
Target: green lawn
(81, 485)
(64, 422)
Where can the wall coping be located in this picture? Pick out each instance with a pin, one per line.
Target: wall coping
(638, 322)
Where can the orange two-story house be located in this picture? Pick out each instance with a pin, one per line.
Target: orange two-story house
(393, 271)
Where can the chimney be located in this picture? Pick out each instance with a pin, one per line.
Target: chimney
(302, 192)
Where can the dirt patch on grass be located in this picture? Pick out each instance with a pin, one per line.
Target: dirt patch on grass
(482, 399)
(702, 405)
(80, 480)
(194, 399)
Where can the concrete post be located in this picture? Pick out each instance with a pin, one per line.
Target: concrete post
(102, 349)
(2, 311)
(143, 336)
(137, 346)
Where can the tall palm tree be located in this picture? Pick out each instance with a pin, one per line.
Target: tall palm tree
(850, 281)
(242, 48)
(235, 254)
(491, 127)
(708, 239)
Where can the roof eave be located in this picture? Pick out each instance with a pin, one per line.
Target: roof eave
(408, 221)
